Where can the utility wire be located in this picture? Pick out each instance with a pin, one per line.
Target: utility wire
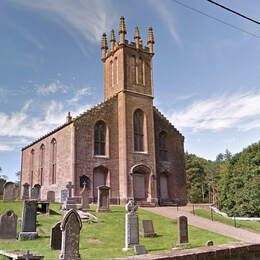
(235, 12)
(217, 19)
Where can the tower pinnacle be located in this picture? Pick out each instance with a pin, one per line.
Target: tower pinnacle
(112, 39)
(150, 39)
(137, 37)
(122, 30)
(104, 45)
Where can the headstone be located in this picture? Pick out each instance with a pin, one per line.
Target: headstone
(9, 191)
(2, 183)
(70, 227)
(84, 198)
(139, 249)
(51, 196)
(19, 254)
(36, 192)
(210, 243)
(131, 225)
(8, 225)
(69, 187)
(72, 203)
(16, 191)
(55, 239)
(25, 191)
(182, 230)
(28, 227)
(147, 229)
(63, 195)
(103, 199)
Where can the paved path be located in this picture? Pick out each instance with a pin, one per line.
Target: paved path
(217, 227)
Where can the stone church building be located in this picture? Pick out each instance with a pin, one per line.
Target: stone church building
(123, 142)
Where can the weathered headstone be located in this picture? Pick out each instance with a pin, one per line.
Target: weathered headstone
(51, 196)
(16, 191)
(8, 225)
(147, 229)
(25, 195)
(84, 198)
(9, 191)
(182, 230)
(139, 249)
(131, 225)
(28, 227)
(70, 227)
(55, 239)
(69, 187)
(103, 199)
(210, 243)
(2, 183)
(63, 195)
(36, 192)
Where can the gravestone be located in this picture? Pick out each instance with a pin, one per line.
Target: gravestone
(103, 199)
(55, 239)
(147, 229)
(182, 223)
(9, 191)
(8, 225)
(16, 191)
(28, 227)
(36, 192)
(63, 195)
(25, 195)
(69, 187)
(139, 249)
(84, 198)
(131, 225)
(70, 227)
(2, 183)
(210, 243)
(51, 196)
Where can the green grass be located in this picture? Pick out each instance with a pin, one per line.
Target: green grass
(105, 239)
(249, 225)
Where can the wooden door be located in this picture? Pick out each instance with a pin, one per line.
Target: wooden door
(139, 186)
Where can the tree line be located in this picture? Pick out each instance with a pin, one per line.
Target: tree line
(231, 182)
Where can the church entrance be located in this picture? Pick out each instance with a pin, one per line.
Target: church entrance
(139, 186)
(164, 194)
(99, 178)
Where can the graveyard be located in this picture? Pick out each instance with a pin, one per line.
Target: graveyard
(104, 239)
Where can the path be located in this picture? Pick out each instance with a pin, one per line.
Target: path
(214, 226)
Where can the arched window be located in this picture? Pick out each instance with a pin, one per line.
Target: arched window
(163, 146)
(53, 160)
(140, 71)
(32, 165)
(112, 73)
(100, 138)
(133, 69)
(138, 130)
(116, 71)
(42, 161)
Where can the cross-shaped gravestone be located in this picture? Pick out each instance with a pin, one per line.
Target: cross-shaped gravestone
(69, 187)
(84, 198)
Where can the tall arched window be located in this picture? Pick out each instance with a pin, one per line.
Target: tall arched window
(162, 146)
(100, 138)
(133, 69)
(140, 71)
(116, 71)
(112, 73)
(42, 161)
(53, 160)
(32, 165)
(138, 130)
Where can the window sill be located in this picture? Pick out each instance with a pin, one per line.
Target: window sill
(101, 156)
(139, 152)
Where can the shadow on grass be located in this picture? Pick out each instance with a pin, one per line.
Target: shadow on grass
(53, 212)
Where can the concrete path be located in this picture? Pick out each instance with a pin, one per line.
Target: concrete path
(214, 226)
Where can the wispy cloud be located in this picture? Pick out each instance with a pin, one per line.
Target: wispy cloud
(90, 18)
(237, 110)
(51, 88)
(165, 11)
(80, 94)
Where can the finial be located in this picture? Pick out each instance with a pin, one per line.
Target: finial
(104, 46)
(137, 33)
(112, 39)
(122, 30)
(150, 39)
(69, 117)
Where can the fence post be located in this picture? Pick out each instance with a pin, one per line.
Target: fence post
(211, 214)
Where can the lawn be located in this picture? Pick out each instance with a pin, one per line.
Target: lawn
(249, 225)
(105, 239)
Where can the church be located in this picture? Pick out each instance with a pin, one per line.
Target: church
(123, 142)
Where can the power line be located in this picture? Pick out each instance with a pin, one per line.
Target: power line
(217, 19)
(235, 12)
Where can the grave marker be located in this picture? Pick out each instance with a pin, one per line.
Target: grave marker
(25, 195)
(8, 225)
(9, 192)
(84, 198)
(103, 199)
(182, 230)
(51, 196)
(56, 235)
(147, 229)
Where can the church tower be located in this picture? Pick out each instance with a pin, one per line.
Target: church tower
(128, 75)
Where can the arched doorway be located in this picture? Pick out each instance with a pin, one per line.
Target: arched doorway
(164, 189)
(99, 178)
(141, 175)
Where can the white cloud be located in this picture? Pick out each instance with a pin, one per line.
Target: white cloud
(167, 16)
(237, 110)
(79, 94)
(52, 88)
(6, 148)
(88, 17)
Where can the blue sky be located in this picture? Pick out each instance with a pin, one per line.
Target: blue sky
(206, 75)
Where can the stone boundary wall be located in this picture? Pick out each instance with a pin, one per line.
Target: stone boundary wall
(239, 251)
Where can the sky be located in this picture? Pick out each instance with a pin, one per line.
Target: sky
(206, 74)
